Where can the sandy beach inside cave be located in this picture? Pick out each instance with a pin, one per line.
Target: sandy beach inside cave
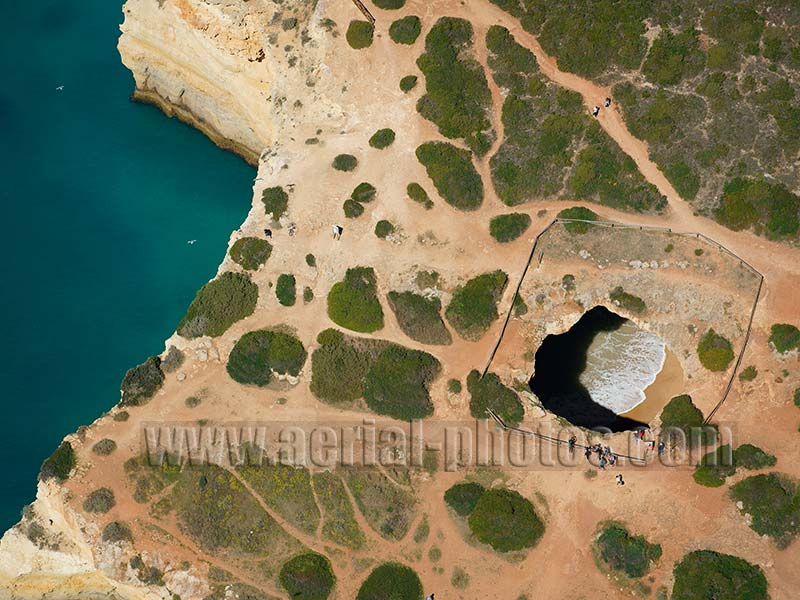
(668, 383)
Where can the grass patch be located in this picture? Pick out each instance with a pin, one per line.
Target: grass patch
(218, 305)
(383, 138)
(104, 447)
(473, 306)
(59, 464)
(405, 30)
(100, 500)
(773, 502)
(505, 520)
(422, 531)
(141, 382)
(489, 392)
(627, 301)
(250, 252)
(391, 581)
(453, 174)
(459, 579)
(259, 354)
(384, 229)
(463, 497)
(620, 551)
(579, 213)
(714, 351)
(308, 576)
(784, 338)
(345, 162)
(419, 317)
(353, 303)
(507, 228)
(408, 83)
(388, 508)
(275, 201)
(359, 34)
(286, 290)
(339, 524)
(706, 574)
(748, 373)
(418, 194)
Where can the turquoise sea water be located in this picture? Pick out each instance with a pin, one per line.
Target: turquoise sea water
(99, 196)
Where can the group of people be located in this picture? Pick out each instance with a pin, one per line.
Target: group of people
(605, 456)
(639, 435)
(596, 109)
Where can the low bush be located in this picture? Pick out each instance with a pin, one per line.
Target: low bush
(308, 295)
(250, 252)
(752, 457)
(454, 386)
(141, 382)
(627, 301)
(748, 373)
(714, 351)
(391, 581)
(704, 574)
(308, 576)
(621, 551)
(339, 525)
(578, 213)
(345, 162)
(408, 83)
(338, 368)
(453, 174)
(117, 531)
(784, 337)
(674, 57)
(388, 508)
(405, 30)
(505, 520)
(121, 416)
(104, 447)
(681, 413)
(100, 500)
(715, 467)
(383, 229)
(286, 289)
(359, 34)
(418, 194)
(218, 305)
(507, 228)
(489, 392)
(796, 398)
(352, 209)
(59, 464)
(173, 360)
(364, 192)
(463, 497)
(353, 303)
(459, 579)
(748, 203)
(311, 260)
(473, 306)
(389, 4)
(419, 317)
(275, 201)
(259, 354)
(773, 502)
(383, 138)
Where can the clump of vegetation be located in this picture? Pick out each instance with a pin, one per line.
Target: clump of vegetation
(383, 138)
(715, 467)
(311, 260)
(353, 303)
(489, 392)
(142, 382)
(796, 397)
(706, 574)
(359, 34)
(454, 386)
(773, 502)
(121, 416)
(193, 401)
(117, 531)
(758, 204)
(408, 83)
(457, 97)
(338, 368)
(748, 373)
(674, 57)
(352, 209)
(505, 520)
(463, 497)
(364, 192)
(418, 194)
(259, 354)
(507, 228)
(100, 500)
(473, 307)
(340, 524)
(419, 317)
(453, 174)
(104, 447)
(714, 351)
(784, 338)
(275, 201)
(459, 579)
(752, 457)
(681, 413)
(401, 580)
(579, 213)
(308, 576)
(345, 162)
(286, 290)
(308, 295)
(422, 531)
(568, 282)
(389, 4)
(388, 508)
(621, 551)
(218, 305)
(405, 30)
(173, 360)
(383, 229)
(59, 464)
(427, 280)
(250, 252)
(627, 301)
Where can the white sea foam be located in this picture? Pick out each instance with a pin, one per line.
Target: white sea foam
(620, 364)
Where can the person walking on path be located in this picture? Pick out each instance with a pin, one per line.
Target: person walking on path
(608, 102)
(661, 447)
(620, 480)
(337, 232)
(429, 597)
(572, 441)
(595, 111)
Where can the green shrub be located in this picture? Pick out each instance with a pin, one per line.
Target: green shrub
(352, 209)
(773, 502)
(627, 301)
(748, 373)
(382, 138)
(457, 97)
(578, 213)
(364, 193)
(308, 294)
(746, 203)
(345, 162)
(257, 354)
(698, 252)
(117, 531)
(311, 260)
(422, 531)
(506, 521)
(507, 228)
(339, 525)
(173, 360)
(397, 384)
(752, 457)
(473, 307)
(674, 57)
(715, 466)
(681, 413)
(59, 464)
(704, 574)
(453, 174)
(121, 416)
(142, 382)
(708, 477)
(104, 447)
(193, 401)
(359, 34)
(796, 397)
(405, 30)
(419, 317)
(308, 576)
(218, 305)
(408, 83)
(621, 551)
(684, 179)
(489, 392)
(391, 581)
(353, 303)
(454, 386)
(459, 579)
(418, 194)
(383, 228)
(463, 497)
(784, 337)
(389, 4)
(276, 201)
(714, 351)
(338, 368)
(100, 500)
(250, 252)
(286, 290)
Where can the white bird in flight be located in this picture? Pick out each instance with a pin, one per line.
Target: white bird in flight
(191, 242)
(60, 88)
